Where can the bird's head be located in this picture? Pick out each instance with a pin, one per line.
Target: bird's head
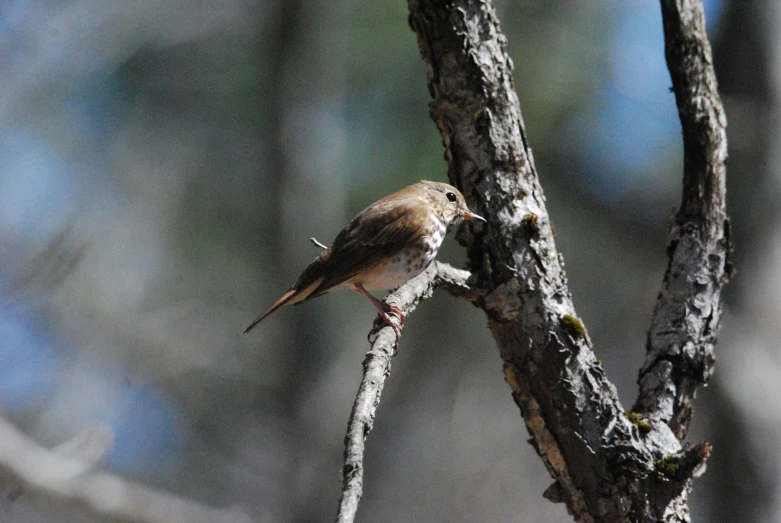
(450, 204)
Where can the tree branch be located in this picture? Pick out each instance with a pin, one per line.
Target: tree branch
(376, 367)
(686, 318)
(67, 472)
(608, 465)
(318, 244)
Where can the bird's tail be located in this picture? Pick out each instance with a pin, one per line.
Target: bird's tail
(288, 296)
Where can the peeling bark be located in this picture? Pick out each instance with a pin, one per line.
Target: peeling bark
(608, 465)
(686, 318)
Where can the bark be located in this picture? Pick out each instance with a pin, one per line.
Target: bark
(376, 367)
(688, 311)
(608, 465)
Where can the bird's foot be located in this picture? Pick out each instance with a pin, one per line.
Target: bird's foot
(384, 318)
(397, 311)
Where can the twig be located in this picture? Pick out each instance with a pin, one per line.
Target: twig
(376, 367)
(686, 318)
(317, 243)
(67, 472)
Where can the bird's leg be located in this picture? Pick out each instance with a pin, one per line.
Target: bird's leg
(384, 309)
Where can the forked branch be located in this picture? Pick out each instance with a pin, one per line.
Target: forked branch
(608, 465)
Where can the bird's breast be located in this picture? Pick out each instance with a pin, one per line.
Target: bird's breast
(413, 259)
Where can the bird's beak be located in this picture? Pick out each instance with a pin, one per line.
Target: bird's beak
(472, 217)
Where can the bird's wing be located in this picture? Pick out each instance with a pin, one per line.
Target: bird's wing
(380, 231)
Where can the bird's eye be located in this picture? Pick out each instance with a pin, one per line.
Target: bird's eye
(451, 196)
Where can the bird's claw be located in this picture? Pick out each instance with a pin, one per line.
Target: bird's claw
(397, 311)
(384, 318)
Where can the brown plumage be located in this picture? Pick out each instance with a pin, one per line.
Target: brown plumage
(389, 242)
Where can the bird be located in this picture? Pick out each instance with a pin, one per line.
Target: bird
(388, 243)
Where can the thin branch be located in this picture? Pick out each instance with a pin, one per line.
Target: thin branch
(686, 318)
(608, 465)
(376, 367)
(67, 472)
(317, 243)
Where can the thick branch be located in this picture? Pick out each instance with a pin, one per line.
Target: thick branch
(607, 466)
(376, 367)
(686, 317)
(67, 472)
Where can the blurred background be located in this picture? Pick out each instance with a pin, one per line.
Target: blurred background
(163, 164)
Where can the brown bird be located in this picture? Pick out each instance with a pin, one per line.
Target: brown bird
(391, 241)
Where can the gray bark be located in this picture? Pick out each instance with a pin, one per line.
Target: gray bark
(376, 367)
(608, 465)
(688, 311)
